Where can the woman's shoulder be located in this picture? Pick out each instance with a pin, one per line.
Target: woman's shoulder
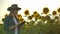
(7, 17)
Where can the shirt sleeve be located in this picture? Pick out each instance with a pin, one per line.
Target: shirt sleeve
(6, 24)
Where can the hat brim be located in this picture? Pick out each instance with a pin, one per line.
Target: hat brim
(13, 8)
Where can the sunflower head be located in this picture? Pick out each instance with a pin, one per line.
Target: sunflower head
(37, 16)
(45, 10)
(54, 12)
(26, 12)
(6, 15)
(30, 17)
(3, 19)
(35, 12)
(58, 10)
(22, 20)
(19, 16)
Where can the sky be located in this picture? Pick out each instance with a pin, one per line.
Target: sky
(32, 5)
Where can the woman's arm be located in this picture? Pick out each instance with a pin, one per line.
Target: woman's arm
(6, 24)
(14, 26)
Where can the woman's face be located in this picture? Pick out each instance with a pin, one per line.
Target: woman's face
(15, 12)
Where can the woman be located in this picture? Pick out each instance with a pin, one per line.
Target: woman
(11, 24)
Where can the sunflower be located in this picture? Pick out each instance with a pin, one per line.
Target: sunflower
(22, 20)
(58, 10)
(3, 19)
(47, 17)
(56, 17)
(6, 15)
(30, 17)
(45, 10)
(19, 16)
(43, 18)
(37, 16)
(35, 12)
(26, 12)
(54, 12)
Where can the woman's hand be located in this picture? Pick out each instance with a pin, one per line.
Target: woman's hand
(14, 26)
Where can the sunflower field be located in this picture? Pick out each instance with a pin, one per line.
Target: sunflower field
(38, 23)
